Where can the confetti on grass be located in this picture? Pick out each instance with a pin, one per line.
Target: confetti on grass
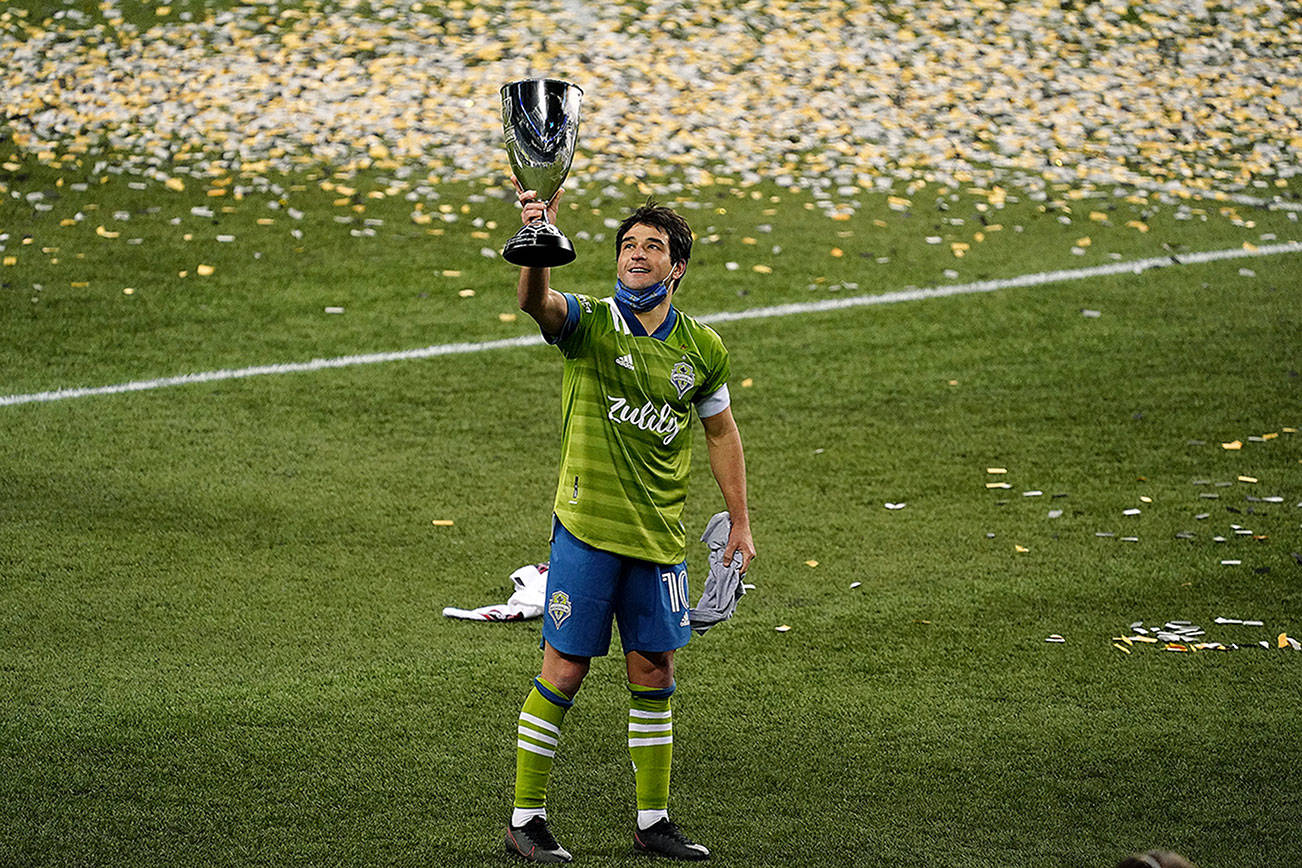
(262, 91)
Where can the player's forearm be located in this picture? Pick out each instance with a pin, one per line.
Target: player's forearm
(728, 464)
(540, 301)
(531, 291)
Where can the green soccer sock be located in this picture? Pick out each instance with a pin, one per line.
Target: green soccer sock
(651, 745)
(537, 734)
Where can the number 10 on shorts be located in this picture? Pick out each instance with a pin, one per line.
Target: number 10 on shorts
(676, 581)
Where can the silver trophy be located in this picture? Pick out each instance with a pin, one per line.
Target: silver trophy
(540, 118)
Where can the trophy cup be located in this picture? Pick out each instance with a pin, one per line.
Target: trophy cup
(540, 118)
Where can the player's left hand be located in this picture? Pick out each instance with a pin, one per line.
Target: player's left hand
(740, 542)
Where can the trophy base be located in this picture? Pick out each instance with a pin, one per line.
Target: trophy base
(539, 245)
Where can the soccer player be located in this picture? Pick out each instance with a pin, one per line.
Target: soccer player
(635, 371)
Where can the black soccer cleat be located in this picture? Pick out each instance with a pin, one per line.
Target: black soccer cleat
(534, 842)
(666, 839)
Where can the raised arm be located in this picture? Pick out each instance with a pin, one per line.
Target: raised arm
(728, 463)
(533, 291)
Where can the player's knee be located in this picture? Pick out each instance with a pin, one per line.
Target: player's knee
(564, 670)
(651, 669)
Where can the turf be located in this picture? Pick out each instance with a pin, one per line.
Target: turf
(220, 629)
(222, 639)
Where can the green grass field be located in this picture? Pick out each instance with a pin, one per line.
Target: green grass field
(221, 639)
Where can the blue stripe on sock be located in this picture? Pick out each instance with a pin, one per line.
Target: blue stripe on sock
(648, 693)
(551, 695)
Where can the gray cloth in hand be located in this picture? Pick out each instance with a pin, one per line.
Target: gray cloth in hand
(723, 587)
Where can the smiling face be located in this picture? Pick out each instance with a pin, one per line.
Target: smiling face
(644, 259)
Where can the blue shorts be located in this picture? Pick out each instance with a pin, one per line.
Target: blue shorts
(587, 587)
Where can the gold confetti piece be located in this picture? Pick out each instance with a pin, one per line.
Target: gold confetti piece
(811, 563)
(451, 272)
(506, 317)
(1270, 436)
(1289, 430)
(953, 382)
(128, 291)
(80, 284)
(1147, 640)
(11, 260)
(998, 485)
(782, 628)
(761, 269)
(105, 233)
(1249, 479)
(996, 470)
(1282, 640)
(1233, 445)
(467, 293)
(747, 383)
(443, 522)
(1143, 498)
(837, 252)
(204, 270)
(1138, 225)
(1120, 647)
(1021, 549)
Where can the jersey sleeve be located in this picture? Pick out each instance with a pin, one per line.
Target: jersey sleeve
(718, 366)
(576, 333)
(713, 403)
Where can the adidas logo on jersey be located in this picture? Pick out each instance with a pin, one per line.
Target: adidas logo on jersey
(625, 361)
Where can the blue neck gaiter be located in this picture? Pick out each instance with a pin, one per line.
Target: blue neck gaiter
(641, 299)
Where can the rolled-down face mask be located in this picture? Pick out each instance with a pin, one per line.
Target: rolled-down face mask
(641, 299)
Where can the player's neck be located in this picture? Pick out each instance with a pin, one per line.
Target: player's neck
(652, 319)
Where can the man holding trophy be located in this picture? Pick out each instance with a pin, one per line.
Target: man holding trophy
(635, 371)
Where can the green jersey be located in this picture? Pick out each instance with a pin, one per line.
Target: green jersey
(628, 400)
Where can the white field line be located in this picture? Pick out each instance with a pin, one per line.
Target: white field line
(1137, 266)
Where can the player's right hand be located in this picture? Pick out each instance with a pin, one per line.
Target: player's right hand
(533, 208)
